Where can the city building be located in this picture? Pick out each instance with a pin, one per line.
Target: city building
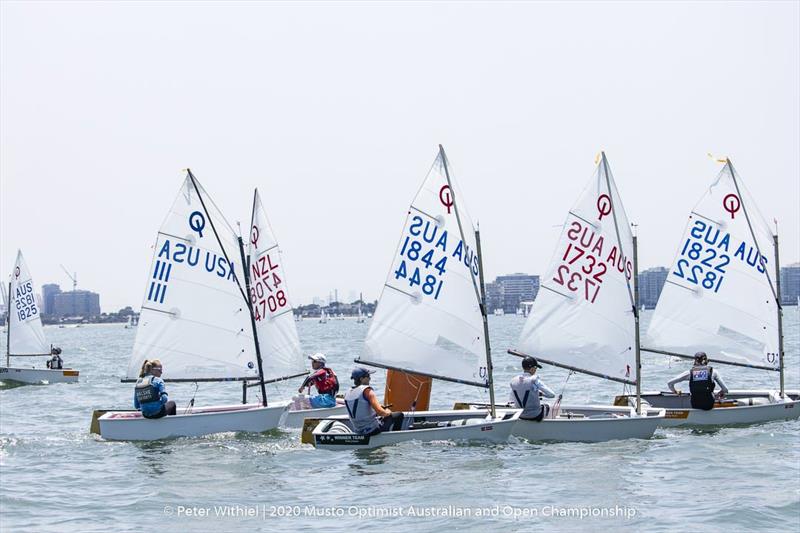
(790, 284)
(493, 298)
(513, 289)
(651, 281)
(49, 292)
(76, 303)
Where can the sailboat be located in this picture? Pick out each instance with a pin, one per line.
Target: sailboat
(272, 309)
(197, 320)
(360, 317)
(431, 321)
(323, 318)
(721, 297)
(25, 333)
(585, 319)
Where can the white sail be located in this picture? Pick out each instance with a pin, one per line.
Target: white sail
(194, 317)
(583, 316)
(269, 295)
(428, 319)
(718, 296)
(26, 334)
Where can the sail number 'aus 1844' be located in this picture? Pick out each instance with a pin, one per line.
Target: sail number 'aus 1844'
(423, 256)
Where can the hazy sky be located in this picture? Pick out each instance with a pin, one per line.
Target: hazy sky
(335, 110)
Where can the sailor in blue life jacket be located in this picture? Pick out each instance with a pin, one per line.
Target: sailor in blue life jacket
(150, 395)
(701, 378)
(525, 390)
(55, 362)
(367, 415)
(326, 382)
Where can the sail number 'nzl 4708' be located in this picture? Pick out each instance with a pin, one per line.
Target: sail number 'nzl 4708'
(266, 296)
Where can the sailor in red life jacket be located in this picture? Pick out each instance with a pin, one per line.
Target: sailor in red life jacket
(326, 382)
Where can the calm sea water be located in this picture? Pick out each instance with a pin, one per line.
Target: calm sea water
(55, 476)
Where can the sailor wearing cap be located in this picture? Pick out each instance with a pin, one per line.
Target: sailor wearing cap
(701, 378)
(326, 382)
(525, 390)
(367, 415)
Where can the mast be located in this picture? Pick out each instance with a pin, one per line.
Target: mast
(780, 309)
(636, 318)
(253, 325)
(8, 328)
(775, 292)
(485, 322)
(478, 292)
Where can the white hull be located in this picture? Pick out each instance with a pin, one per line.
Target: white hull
(294, 419)
(591, 423)
(679, 411)
(38, 376)
(479, 427)
(132, 426)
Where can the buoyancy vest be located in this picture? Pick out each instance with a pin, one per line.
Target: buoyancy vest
(146, 392)
(525, 395)
(327, 382)
(362, 415)
(701, 385)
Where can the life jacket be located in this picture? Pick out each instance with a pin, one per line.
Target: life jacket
(327, 382)
(146, 392)
(362, 415)
(701, 385)
(525, 395)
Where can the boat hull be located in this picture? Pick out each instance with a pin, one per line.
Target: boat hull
(132, 426)
(294, 419)
(679, 412)
(476, 427)
(38, 376)
(591, 423)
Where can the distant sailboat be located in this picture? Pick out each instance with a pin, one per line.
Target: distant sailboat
(25, 334)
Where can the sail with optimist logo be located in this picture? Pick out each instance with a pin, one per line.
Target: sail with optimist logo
(584, 318)
(270, 298)
(26, 333)
(720, 295)
(428, 320)
(194, 317)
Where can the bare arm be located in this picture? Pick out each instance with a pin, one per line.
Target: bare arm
(722, 386)
(369, 394)
(682, 377)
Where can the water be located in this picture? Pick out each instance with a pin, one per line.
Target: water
(55, 476)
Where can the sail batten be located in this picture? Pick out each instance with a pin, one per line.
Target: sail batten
(428, 320)
(584, 318)
(719, 297)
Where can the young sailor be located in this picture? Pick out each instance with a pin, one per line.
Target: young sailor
(525, 390)
(366, 413)
(55, 362)
(326, 382)
(150, 395)
(701, 378)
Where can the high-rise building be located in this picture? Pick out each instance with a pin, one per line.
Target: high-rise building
(493, 297)
(76, 303)
(49, 292)
(790, 284)
(516, 288)
(651, 281)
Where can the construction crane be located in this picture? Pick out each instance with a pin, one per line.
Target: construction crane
(73, 277)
